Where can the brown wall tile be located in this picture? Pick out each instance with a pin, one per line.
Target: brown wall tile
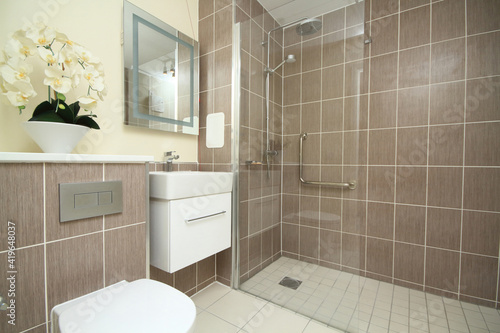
(445, 187)
(223, 27)
(413, 106)
(479, 276)
(408, 4)
(441, 269)
(448, 20)
(414, 67)
(380, 220)
(381, 183)
(381, 8)
(309, 242)
(383, 74)
(330, 213)
(412, 146)
(382, 147)
(410, 185)
(332, 115)
(443, 228)
(379, 255)
(384, 35)
(481, 233)
(356, 112)
(446, 145)
(448, 61)
(482, 144)
(334, 21)
(483, 99)
(206, 37)
(355, 150)
(331, 83)
(409, 262)
(415, 27)
(383, 110)
(353, 251)
(447, 103)
(21, 190)
(330, 246)
(354, 217)
(482, 16)
(480, 189)
(290, 238)
(410, 224)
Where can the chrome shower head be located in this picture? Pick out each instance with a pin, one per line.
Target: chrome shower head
(309, 26)
(289, 60)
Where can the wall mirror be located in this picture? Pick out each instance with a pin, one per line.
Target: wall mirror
(161, 74)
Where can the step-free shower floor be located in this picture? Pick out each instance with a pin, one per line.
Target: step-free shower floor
(357, 304)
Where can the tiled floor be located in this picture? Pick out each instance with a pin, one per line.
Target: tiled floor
(356, 304)
(223, 310)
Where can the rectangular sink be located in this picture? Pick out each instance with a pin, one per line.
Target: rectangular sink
(188, 184)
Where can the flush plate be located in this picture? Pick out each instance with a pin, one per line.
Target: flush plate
(83, 200)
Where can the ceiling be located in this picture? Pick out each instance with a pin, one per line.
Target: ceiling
(287, 11)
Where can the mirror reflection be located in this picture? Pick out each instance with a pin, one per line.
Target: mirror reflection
(161, 74)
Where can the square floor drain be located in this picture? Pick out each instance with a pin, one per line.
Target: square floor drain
(290, 282)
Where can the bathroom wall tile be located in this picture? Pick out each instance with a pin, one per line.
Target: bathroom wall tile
(409, 262)
(257, 12)
(330, 246)
(485, 286)
(381, 8)
(414, 67)
(206, 37)
(415, 27)
(353, 251)
(448, 20)
(133, 178)
(311, 54)
(383, 110)
(291, 87)
(331, 174)
(290, 36)
(330, 214)
(482, 144)
(333, 155)
(412, 146)
(223, 58)
(256, 77)
(410, 224)
(332, 115)
(223, 155)
(384, 34)
(291, 179)
(410, 185)
(381, 183)
(333, 49)
(309, 242)
(205, 8)
(355, 145)
(331, 83)
(442, 269)
(56, 174)
(311, 117)
(243, 218)
(380, 222)
(383, 72)
(409, 4)
(445, 187)
(185, 278)
(482, 16)
(22, 181)
(355, 43)
(29, 288)
(479, 188)
(379, 256)
(358, 174)
(356, 78)
(447, 103)
(207, 71)
(255, 216)
(355, 14)
(291, 151)
(222, 103)
(446, 145)
(413, 106)
(219, 4)
(309, 211)
(382, 147)
(290, 68)
(290, 238)
(276, 233)
(267, 245)
(356, 112)
(483, 99)
(66, 258)
(333, 21)
(443, 228)
(223, 266)
(256, 112)
(257, 36)
(481, 233)
(448, 61)
(125, 254)
(243, 255)
(354, 217)
(223, 27)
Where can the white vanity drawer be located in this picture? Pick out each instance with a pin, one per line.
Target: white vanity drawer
(193, 229)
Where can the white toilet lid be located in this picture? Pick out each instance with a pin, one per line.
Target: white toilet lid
(140, 306)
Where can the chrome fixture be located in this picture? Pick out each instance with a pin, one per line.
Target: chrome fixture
(350, 185)
(169, 158)
(309, 26)
(290, 59)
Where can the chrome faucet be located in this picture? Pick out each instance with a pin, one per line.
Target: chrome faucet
(169, 158)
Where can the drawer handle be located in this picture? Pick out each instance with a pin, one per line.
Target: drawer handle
(204, 217)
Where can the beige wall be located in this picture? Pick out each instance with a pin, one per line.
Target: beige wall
(97, 25)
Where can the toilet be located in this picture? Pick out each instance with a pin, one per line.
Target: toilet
(143, 305)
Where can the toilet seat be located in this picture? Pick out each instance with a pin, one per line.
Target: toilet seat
(140, 306)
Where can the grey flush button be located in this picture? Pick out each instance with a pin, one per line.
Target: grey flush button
(83, 200)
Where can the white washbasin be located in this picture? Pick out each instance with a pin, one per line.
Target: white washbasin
(188, 184)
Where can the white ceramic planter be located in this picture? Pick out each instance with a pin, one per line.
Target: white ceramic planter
(55, 137)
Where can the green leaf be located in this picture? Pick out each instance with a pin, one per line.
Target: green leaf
(61, 97)
(65, 113)
(75, 107)
(86, 121)
(44, 107)
(48, 116)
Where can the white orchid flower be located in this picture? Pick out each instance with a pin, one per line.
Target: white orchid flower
(102, 93)
(47, 56)
(15, 49)
(87, 102)
(63, 39)
(96, 81)
(41, 35)
(56, 80)
(19, 93)
(85, 55)
(67, 57)
(16, 70)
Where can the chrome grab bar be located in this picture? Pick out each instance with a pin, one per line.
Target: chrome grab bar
(204, 217)
(350, 185)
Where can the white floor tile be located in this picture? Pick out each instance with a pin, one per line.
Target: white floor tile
(236, 308)
(208, 323)
(210, 295)
(271, 319)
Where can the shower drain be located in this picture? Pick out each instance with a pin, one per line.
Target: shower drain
(290, 282)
